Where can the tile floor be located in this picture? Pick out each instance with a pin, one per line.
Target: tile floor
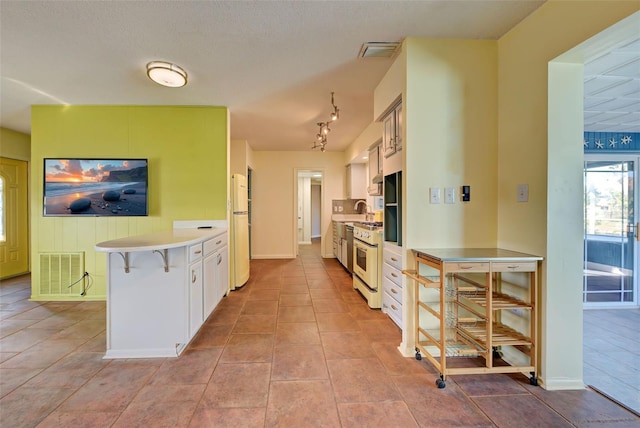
(296, 346)
(612, 353)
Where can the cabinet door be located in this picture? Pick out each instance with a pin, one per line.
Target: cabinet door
(398, 128)
(195, 297)
(222, 273)
(209, 285)
(388, 134)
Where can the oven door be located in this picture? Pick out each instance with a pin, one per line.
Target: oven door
(365, 263)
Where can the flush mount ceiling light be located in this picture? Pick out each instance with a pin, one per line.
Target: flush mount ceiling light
(166, 74)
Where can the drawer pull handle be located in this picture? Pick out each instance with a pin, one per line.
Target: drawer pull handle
(393, 290)
(197, 252)
(394, 259)
(466, 267)
(219, 259)
(394, 307)
(193, 277)
(513, 267)
(219, 242)
(394, 275)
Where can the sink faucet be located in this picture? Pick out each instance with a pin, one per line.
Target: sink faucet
(361, 201)
(368, 214)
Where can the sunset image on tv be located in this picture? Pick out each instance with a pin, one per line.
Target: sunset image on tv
(95, 187)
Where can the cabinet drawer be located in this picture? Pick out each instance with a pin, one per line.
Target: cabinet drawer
(392, 258)
(513, 266)
(392, 308)
(467, 267)
(392, 289)
(195, 252)
(392, 273)
(214, 244)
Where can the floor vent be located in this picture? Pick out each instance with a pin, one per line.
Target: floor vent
(58, 271)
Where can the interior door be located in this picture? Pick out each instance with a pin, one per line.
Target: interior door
(14, 239)
(610, 232)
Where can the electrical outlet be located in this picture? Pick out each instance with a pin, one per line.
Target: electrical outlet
(434, 195)
(449, 195)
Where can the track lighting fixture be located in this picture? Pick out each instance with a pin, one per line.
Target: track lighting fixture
(324, 129)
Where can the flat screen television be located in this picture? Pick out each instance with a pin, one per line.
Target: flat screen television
(95, 187)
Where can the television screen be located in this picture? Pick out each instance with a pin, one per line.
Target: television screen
(95, 187)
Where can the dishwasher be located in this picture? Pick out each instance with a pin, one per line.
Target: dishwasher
(349, 234)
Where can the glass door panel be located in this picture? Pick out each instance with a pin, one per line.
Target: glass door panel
(609, 233)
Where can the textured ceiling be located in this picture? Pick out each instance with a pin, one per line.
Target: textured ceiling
(273, 63)
(612, 90)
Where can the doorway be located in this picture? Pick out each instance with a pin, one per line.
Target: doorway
(14, 239)
(308, 206)
(610, 231)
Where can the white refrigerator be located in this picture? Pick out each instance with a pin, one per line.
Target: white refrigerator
(240, 231)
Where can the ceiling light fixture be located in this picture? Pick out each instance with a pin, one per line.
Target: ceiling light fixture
(324, 129)
(167, 74)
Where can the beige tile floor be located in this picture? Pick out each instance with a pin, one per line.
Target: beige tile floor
(295, 347)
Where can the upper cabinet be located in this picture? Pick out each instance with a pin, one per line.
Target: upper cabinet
(375, 170)
(356, 181)
(392, 131)
(392, 138)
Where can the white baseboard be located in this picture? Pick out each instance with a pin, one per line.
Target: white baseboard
(562, 384)
(272, 256)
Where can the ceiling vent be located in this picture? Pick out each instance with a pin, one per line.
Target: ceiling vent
(378, 49)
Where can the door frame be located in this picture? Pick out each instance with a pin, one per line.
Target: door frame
(296, 175)
(622, 157)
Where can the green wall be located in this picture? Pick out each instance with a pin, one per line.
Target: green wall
(14, 145)
(187, 149)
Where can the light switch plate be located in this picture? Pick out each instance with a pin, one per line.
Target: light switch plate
(449, 195)
(434, 195)
(523, 192)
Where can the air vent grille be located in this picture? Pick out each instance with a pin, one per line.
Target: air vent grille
(58, 271)
(378, 49)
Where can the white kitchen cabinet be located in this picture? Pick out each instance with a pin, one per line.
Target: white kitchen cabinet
(195, 297)
(356, 179)
(222, 272)
(215, 271)
(375, 171)
(392, 139)
(392, 282)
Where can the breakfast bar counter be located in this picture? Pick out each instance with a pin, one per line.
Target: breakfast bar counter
(161, 287)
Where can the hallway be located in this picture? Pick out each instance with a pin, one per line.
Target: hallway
(296, 346)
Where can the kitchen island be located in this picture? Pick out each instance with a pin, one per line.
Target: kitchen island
(161, 287)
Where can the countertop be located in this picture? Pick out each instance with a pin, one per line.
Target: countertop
(159, 240)
(476, 255)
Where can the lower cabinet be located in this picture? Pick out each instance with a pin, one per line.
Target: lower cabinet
(215, 272)
(195, 297)
(392, 282)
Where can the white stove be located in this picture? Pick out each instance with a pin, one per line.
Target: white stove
(367, 262)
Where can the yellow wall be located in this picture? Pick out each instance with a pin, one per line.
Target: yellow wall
(274, 226)
(450, 140)
(530, 151)
(187, 151)
(371, 135)
(15, 145)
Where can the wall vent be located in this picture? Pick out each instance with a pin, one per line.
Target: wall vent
(378, 49)
(58, 271)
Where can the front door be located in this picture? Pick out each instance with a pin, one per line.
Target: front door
(14, 246)
(610, 232)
